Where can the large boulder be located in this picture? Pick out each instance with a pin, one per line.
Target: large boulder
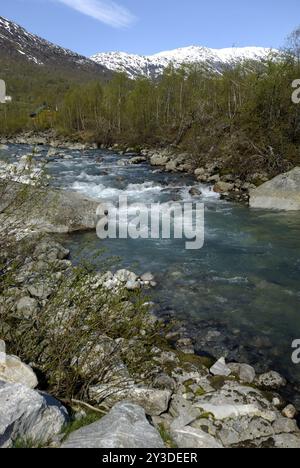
(28, 415)
(125, 426)
(281, 193)
(46, 210)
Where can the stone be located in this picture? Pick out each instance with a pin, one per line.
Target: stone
(28, 415)
(234, 401)
(66, 211)
(137, 160)
(244, 372)
(124, 276)
(133, 285)
(159, 159)
(154, 401)
(195, 192)
(185, 345)
(280, 193)
(220, 368)
(271, 381)
(284, 441)
(124, 427)
(189, 437)
(289, 412)
(199, 171)
(223, 187)
(147, 277)
(27, 307)
(13, 370)
(285, 426)
(40, 291)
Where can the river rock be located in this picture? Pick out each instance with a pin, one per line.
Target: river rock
(220, 368)
(66, 211)
(289, 412)
(271, 381)
(159, 159)
(28, 415)
(280, 193)
(124, 427)
(245, 372)
(223, 187)
(137, 160)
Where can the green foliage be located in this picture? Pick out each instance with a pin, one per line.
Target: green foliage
(245, 115)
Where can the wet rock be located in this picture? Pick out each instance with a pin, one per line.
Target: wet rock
(147, 277)
(195, 192)
(125, 426)
(137, 160)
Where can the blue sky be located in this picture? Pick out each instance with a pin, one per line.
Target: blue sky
(149, 26)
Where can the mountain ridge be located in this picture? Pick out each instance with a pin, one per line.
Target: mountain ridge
(152, 66)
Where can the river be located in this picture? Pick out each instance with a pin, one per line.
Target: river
(238, 296)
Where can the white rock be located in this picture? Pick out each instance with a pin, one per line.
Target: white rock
(28, 415)
(220, 368)
(188, 437)
(280, 193)
(125, 426)
(15, 371)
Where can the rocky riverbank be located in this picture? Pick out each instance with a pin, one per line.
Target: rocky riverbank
(229, 185)
(92, 342)
(133, 368)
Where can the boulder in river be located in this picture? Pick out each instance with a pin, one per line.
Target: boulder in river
(280, 193)
(47, 210)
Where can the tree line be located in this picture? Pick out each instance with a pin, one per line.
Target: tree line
(244, 115)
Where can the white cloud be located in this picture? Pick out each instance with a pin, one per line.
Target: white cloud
(106, 11)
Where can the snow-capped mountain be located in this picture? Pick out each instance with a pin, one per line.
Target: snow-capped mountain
(18, 44)
(154, 65)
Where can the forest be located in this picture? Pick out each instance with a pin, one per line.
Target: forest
(246, 115)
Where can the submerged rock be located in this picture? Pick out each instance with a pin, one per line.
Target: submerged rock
(125, 426)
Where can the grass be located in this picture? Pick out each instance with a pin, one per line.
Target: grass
(74, 425)
(166, 437)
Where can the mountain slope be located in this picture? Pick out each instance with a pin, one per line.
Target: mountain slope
(18, 45)
(152, 66)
